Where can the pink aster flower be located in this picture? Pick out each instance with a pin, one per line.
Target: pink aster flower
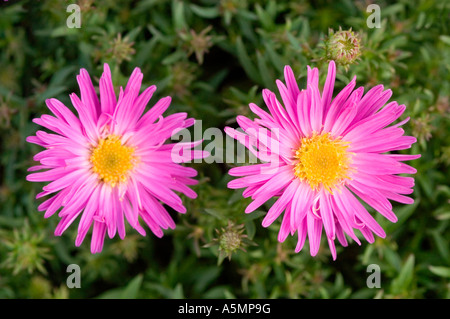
(111, 161)
(321, 156)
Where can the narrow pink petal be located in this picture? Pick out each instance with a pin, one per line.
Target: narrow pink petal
(361, 213)
(88, 121)
(314, 226)
(76, 204)
(340, 235)
(261, 113)
(140, 104)
(303, 114)
(368, 235)
(90, 209)
(345, 117)
(65, 222)
(382, 182)
(301, 203)
(373, 101)
(316, 109)
(98, 237)
(344, 217)
(289, 103)
(374, 198)
(327, 93)
(377, 121)
(107, 95)
(332, 248)
(327, 215)
(302, 232)
(278, 207)
(285, 225)
(154, 227)
(157, 212)
(153, 114)
(336, 103)
(291, 82)
(125, 108)
(398, 198)
(64, 181)
(248, 169)
(62, 112)
(88, 95)
(47, 176)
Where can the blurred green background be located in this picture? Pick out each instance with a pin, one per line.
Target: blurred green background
(214, 57)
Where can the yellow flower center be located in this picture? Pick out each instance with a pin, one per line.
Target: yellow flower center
(112, 161)
(322, 161)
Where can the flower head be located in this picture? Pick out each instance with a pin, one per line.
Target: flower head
(111, 161)
(320, 154)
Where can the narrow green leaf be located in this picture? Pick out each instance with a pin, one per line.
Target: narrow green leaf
(266, 74)
(275, 58)
(445, 39)
(264, 18)
(178, 292)
(403, 281)
(178, 15)
(250, 229)
(132, 289)
(245, 61)
(441, 244)
(174, 57)
(440, 271)
(214, 213)
(208, 13)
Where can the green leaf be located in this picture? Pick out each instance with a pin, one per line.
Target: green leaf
(251, 229)
(274, 57)
(441, 244)
(266, 74)
(403, 281)
(61, 75)
(264, 18)
(174, 57)
(445, 39)
(440, 271)
(245, 61)
(132, 289)
(214, 213)
(179, 21)
(208, 13)
(206, 277)
(178, 292)
(403, 213)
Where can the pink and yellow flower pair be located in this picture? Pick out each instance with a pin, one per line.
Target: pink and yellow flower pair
(112, 162)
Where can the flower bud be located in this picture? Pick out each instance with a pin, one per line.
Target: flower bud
(343, 46)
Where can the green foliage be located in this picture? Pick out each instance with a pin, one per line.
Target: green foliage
(214, 57)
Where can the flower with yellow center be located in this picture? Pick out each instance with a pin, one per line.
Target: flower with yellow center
(110, 163)
(322, 160)
(328, 158)
(112, 160)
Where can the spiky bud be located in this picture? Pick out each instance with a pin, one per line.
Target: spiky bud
(343, 47)
(229, 240)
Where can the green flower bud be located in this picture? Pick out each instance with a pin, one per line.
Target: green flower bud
(229, 240)
(344, 47)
